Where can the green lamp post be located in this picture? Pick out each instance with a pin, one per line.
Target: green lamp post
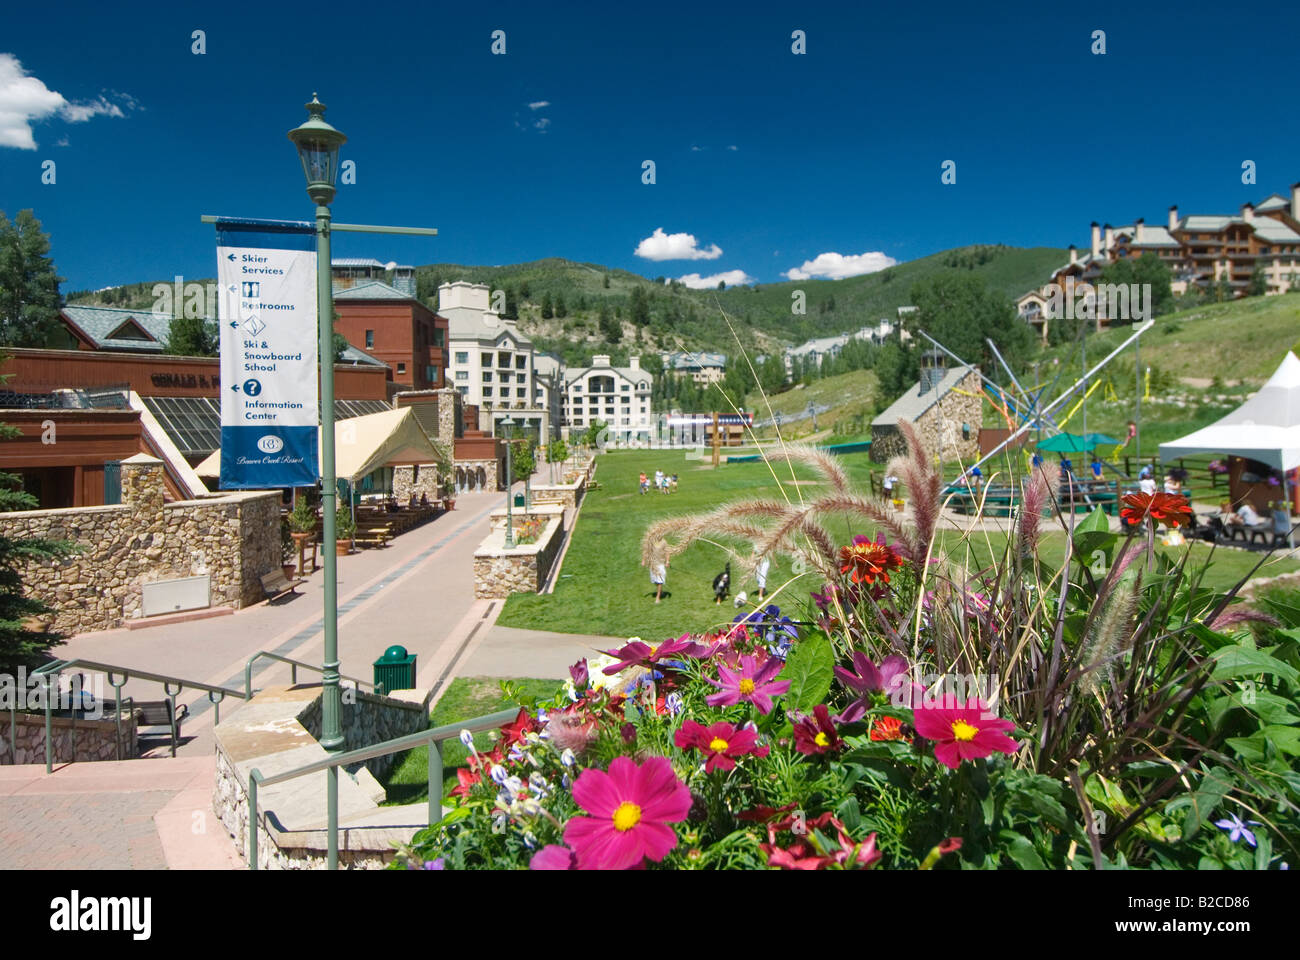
(318, 147)
(508, 426)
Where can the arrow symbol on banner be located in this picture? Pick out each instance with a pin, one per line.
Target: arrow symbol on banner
(235, 388)
(232, 287)
(230, 256)
(234, 324)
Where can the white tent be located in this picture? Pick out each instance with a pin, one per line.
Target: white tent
(364, 444)
(1265, 428)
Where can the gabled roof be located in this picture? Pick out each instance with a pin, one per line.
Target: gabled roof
(681, 361)
(1274, 202)
(357, 262)
(913, 404)
(1275, 231)
(632, 374)
(99, 324)
(358, 356)
(372, 290)
(1152, 236)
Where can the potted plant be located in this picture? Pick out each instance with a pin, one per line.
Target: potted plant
(448, 494)
(344, 529)
(287, 549)
(302, 526)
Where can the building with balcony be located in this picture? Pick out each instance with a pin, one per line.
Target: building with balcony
(491, 361)
(703, 368)
(353, 271)
(617, 396)
(397, 329)
(1200, 251)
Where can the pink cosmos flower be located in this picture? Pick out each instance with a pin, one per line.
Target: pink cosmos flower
(816, 734)
(553, 857)
(963, 733)
(630, 808)
(751, 683)
(721, 743)
(638, 653)
(866, 678)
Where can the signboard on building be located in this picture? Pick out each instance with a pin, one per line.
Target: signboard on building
(267, 312)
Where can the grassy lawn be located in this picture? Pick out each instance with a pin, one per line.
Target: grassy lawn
(603, 589)
(466, 697)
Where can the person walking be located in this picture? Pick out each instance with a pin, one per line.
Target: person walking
(645, 482)
(760, 574)
(658, 576)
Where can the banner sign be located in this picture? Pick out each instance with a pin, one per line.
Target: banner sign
(267, 314)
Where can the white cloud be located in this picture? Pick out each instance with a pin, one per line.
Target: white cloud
(542, 123)
(695, 149)
(835, 266)
(674, 246)
(25, 99)
(732, 278)
(538, 104)
(733, 147)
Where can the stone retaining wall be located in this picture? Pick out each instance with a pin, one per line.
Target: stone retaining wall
(88, 740)
(418, 480)
(233, 539)
(566, 494)
(499, 572)
(372, 718)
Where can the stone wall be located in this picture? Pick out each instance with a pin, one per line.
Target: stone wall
(371, 718)
(566, 494)
(494, 470)
(234, 539)
(85, 740)
(939, 427)
(499, 572)
(417, 481)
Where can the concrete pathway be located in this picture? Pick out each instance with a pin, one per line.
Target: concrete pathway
(515, 652)
(137, 815)
(418, 592)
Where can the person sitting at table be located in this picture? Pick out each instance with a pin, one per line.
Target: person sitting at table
(1248, 516)
(974, 476)
(1146, 482)
(1096, 467)
(1227, 515)
(1067, 468)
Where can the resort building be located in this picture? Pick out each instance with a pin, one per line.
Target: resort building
(703, 368)
(548, 389)
(491, 361)
(397, 329)
(1200, 250)
(352, 272)
(944, 405)
(617, 396)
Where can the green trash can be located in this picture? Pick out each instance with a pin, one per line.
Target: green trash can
(395, 670)
(519, 499)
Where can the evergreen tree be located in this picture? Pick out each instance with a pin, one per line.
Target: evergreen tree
(561, 310)
(640, 308)
(547, 311)
(19, 645)
(29, 286)
(523, 290)
(1258, 281)
(611, 328)
(191, 337)
(606, 280)
(512, 305)
(960, 311)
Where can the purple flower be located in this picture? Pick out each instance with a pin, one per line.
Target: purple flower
(1236, 829)
(751, 683)
(890, 676)
(579, 674)
(438, 864)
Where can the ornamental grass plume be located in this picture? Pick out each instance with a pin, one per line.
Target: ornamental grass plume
(924, 484)
(1035, 495)
(629, 809)
(1111, 635)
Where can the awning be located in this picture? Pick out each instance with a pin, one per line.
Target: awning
(364, 444)
(1265, 428)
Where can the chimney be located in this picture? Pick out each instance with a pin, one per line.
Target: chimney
(1110, 238)
(600, 360)
(1074, 254)
(1295, 200)
(1248, 212)
(1173, 217)
(1137, 230)
(634, 362)
(1096, 240)
(931, 371)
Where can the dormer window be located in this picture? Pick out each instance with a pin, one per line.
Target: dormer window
(129, 329)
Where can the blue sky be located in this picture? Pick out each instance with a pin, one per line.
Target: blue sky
(835, 151)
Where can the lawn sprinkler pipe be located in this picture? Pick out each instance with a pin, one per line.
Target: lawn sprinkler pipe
(1068, 393)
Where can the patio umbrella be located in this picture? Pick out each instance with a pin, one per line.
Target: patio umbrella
(1100, 440)
(1066, 443)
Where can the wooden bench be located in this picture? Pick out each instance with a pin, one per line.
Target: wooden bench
(157, 716)
(276, 584)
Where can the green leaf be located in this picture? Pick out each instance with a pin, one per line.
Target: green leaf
(1239, 661)
(1253, 748)
(810, 668)
(1019, 849)
(1286, 739)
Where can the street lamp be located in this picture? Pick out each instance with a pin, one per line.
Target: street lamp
(318, 147)
(812, 412)
(508, 426)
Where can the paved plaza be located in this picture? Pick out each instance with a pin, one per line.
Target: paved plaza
(417, 592)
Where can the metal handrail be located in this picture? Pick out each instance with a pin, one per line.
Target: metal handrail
(433, 737)
(293, 672)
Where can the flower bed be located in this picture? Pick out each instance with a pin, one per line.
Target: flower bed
(912, 713)
(529, 529)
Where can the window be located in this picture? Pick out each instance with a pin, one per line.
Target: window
(521, 393)
(486, 359)
(487, 376)
(401, 368)
(626, 400)
(521, 378)
(439, 337)
(431, 374)
(462, 375)
(521, 362)
(370, 339)
(626, 387)
(462, 356)
(464, 392)
(487, 391)
(503, 360)
(577, 388)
